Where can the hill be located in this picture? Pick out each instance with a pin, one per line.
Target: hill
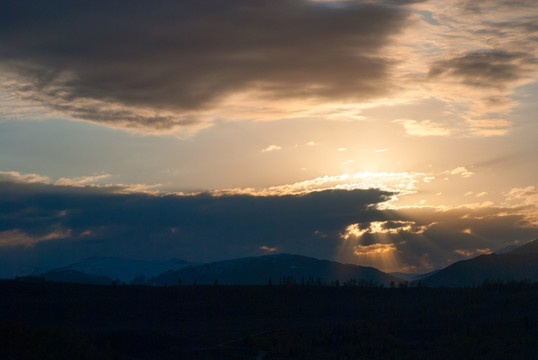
(516, 265)
(273, 268)
(106, 270)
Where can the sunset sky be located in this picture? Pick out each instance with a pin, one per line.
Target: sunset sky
(399, 134)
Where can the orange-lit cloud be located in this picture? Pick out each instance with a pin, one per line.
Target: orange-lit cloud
(78, 181)
(15, 176)
(268, 249)
(16, 237)
(383, 227)
(461, 170)
(423, 128)
(91, 181)
(373, 249)
(401, 182)
(467, 253)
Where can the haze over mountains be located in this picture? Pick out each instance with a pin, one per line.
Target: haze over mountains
(516, 264)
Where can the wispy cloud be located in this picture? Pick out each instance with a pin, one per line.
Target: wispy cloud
(82, 180)
(489, 127)
(423, 128)
(272, 148)
(461, 170)
(17, 238)
(471, 252)
(91, 181)
(470, 55)
(15, 176)
(268, 249)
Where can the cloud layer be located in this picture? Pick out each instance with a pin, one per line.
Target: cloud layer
(157, 65)
(46, 224)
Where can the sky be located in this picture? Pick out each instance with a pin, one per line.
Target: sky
(398, 134)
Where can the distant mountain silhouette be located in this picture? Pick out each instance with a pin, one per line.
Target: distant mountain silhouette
(73, 276)
(506, 265)
(529, 248)
(274, 268)
(411, 276)
(102, 270)
(515, 265)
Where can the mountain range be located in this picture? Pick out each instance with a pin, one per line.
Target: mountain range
(108, 270)
(281, 268)
(517, 264)
(510, 264)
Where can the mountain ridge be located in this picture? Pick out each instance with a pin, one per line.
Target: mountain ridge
(275, 268)
(519, 264)
(107, 269)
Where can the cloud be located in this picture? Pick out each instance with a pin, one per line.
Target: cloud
(489, 127)
(526, 197)
(463, 252)
(63, 224)
(272, 148)
(523, 193)
(472, 55)
(423, 128)
(198, 227)
(64, 183)
(382, 227)
(428, 179)
(479, 6)
(373, 249)
(82, 180)
(487, 68)
(268, 249)
(166, 65)
(391, 182)
(471, 252)
(438, 237)
(17, 238)
(461, 170)
(15, 176)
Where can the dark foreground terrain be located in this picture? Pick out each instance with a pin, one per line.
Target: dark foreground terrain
(45, 320)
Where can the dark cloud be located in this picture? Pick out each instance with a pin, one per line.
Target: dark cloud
(199, 228)
(57, 225)
(488, 68)
(478, 6)
(529, 26)
(127, 63)
(406, 2)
